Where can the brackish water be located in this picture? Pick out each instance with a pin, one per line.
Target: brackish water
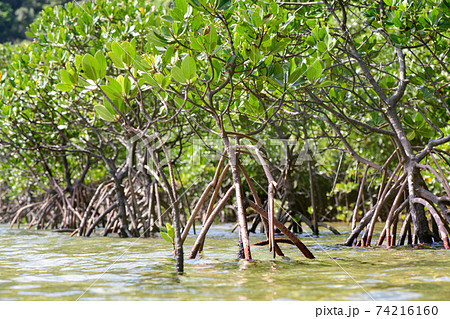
(43, 265)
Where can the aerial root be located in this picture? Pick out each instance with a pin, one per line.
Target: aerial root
(284, 230)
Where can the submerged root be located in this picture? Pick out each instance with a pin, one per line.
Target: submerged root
(277, 240)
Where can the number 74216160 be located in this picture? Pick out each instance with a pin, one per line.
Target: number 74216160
(407, 310)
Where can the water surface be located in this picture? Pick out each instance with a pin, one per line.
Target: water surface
(43, 265)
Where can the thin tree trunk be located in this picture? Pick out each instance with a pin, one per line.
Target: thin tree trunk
(232, 153)
(313, 203)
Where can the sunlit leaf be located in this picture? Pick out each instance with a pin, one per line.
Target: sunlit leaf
(322, 46)
(178, 75)
(65, 77)
(91, 67)
(150, 80)
(103, 112)
(314, 71)
(101, 60)
(166, 237)
(64, 87)
(189, 67)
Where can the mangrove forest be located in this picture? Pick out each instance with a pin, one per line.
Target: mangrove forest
(133, 118)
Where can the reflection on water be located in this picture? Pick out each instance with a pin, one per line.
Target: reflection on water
(41, 265)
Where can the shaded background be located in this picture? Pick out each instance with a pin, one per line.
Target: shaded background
(17, 15)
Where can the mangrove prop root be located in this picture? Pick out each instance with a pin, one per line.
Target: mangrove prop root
(284, 230)
(329, 227)
(265, 223)
(381, 198)
(217, 185)
(277, 240)
(358, 200)
(209, 222)
(99, 218)
(437, 219)
(200, 202)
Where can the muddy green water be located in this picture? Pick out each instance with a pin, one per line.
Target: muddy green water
(42, 265)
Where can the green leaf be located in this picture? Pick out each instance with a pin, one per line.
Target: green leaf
(130, 51)
(268, 60)
(78, 59)
(322, 46)
(311, 23)
(117, 49)
(125, 84)
(223, 4)
(167, 38)
(408, 120)
(289, 20)
(175, 28)
(426, 132)
(295, 75)
(315, 33)
(330, 42)
(114, 86)
(178, 75)
(91, 67)
(182, 5)
(195, 3)
(6, 109)
(195, 43)
(150, 80)
(325, 83)
(419, 120)
(415, 80)
(73, 76)
(254, 54)
(310, 40)
(116, 60)
(104, 113)
(426, 93)
(111, 91)
(314, 71)
(211, 39)
(162, 80)
(395, 38)
(101, 60)
(396, 21)
(333, 93)
(188, 67)
(141, 64)
(124, 52)
(170, 230)
(118, 103)
(256, 18)
(176, 15)
(280, 45)
(156, 41)
(64, 87)
(166, 237)
(411, 135)
(322, 33)
(65, 77)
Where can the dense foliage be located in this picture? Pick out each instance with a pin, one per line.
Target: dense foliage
(120, 110)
